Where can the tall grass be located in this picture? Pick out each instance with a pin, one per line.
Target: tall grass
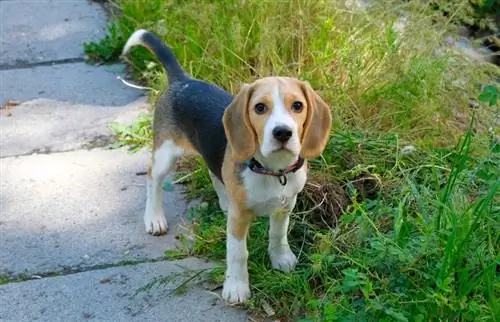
(373, 77)
(399, 219)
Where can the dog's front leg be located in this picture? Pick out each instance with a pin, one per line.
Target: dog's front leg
(236, 285)
(281, 255)
(221, 192)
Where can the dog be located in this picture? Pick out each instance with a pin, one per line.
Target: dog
(256, 145)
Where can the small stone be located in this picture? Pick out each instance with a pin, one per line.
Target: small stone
(105, 281)
(400, 25)
(473, 104)
(357, 5)
(408, 149)
(87, 315)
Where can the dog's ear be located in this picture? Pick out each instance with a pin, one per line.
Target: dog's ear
(317, 125)
(239, 132)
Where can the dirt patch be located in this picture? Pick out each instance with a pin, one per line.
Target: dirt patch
(367, 186)
(325, 200)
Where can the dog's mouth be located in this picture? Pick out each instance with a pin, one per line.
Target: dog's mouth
(283, 148)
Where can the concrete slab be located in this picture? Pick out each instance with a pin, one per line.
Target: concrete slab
(42, 125)
(47, 30)
(78, 209)
(77, 82)
(108, 295)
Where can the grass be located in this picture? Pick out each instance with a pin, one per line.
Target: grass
(400, 216)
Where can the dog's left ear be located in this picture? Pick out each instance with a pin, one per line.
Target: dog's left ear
(317, 125)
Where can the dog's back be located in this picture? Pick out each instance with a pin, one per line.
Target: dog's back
(189, 106)
(196, 109)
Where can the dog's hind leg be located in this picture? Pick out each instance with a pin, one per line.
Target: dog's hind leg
(164, 158)
(221, 192)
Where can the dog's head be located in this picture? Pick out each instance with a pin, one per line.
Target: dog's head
(278, 118)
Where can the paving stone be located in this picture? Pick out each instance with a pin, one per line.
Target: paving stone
(110, 295)
(42, 125)
(79, 209)
(45, 30)
(78, 83)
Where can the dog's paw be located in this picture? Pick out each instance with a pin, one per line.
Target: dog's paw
(283, 260)
(155, 225)
(235, 291)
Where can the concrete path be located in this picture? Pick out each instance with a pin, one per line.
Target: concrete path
(72, 241)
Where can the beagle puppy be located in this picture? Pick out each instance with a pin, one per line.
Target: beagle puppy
(255, 145)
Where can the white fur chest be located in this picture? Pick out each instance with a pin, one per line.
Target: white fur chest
(265, 194)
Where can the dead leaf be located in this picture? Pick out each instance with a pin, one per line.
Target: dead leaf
(267, 308)
(10, 104)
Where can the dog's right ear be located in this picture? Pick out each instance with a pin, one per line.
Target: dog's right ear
(239, 132)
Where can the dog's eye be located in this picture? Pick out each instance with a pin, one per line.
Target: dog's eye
(297, 106)
(260, 108)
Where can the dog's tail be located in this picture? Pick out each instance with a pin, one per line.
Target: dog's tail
(174, 70)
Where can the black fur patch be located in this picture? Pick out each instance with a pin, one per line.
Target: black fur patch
(198, 108)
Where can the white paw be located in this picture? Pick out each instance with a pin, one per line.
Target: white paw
(155, 225)
(283, 259)
(235, 291)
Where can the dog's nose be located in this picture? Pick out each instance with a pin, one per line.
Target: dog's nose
(282, 133)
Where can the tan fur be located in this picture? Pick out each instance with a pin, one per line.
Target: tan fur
(258, 121)
(239, 218)
(317, 125)
(179, 140)
(239, 132)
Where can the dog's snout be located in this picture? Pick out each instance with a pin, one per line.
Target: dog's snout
(282, 133)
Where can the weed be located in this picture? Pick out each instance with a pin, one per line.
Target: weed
(135, 136)
(175, 254)
(4, 279)
(399, 219)
(108, 48)
(490, 95)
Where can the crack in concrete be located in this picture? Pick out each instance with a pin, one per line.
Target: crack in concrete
(100, 141)
(22, 64)
(19, 278)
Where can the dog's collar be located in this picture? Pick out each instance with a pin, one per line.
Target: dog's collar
(256, 167)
